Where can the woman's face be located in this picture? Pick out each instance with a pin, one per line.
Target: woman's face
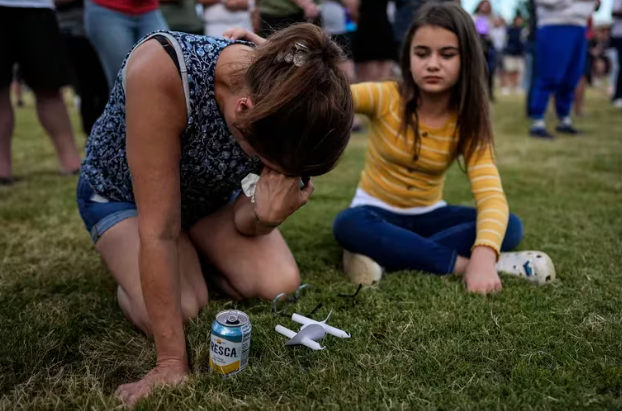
(435, 59)
(485, 8)
(231, 119)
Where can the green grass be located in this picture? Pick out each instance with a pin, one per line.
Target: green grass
(418, 342)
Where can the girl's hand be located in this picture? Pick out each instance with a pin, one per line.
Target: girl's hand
(278, 196)
(481, 276)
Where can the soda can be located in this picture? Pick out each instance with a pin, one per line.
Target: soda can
(230, 342)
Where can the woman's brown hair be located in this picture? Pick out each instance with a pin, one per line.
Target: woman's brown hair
(470, 96)
(302, 110)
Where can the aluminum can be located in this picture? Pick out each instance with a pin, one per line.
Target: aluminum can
(230, 342)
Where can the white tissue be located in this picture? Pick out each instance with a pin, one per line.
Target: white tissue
(249, 184)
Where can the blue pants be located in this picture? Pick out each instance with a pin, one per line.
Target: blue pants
(113, 34)
(429, 242)
(616, 42)
(560, 63)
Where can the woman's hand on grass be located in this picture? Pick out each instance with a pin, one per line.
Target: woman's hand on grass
(481, 275)
(172, 373)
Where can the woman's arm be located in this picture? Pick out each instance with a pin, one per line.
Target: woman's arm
(276, 198)
(155, 117)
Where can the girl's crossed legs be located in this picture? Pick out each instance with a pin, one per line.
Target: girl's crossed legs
(428, 242)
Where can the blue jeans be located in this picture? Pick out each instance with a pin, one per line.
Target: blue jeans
(99, 214)
(428, 242)
(113, 34)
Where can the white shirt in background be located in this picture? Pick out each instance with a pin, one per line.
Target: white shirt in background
(333, 17)
(217, 18)
(498, 36)
(28, 4)
(564, 12)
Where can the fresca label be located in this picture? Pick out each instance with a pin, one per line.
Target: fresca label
(225, 356)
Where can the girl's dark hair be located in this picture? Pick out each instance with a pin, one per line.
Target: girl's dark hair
(301, 116)
(470, 96)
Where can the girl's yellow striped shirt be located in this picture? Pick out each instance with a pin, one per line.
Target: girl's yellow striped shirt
(394, 177)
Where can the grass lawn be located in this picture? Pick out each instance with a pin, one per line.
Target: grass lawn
(418, 341)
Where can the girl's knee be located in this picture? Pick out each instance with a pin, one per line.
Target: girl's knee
(348, 222)
(514, 233)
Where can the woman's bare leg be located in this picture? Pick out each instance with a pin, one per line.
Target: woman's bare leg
(260, 267)
(119, 247)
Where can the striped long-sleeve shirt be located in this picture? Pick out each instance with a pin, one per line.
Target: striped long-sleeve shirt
(393, 176)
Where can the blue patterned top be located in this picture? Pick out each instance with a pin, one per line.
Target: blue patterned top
(212, 163)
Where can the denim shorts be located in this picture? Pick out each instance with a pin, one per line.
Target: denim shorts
(98, 213)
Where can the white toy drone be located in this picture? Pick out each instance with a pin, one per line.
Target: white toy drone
(311, 332)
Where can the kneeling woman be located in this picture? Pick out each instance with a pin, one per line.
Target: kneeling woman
(188, 119)
(439, 112)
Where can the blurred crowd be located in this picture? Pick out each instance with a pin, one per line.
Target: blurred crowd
(82, 43)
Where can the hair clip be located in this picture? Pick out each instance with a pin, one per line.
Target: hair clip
(298, 57)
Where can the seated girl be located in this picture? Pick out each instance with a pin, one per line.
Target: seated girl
(439, 112)
(188, 119)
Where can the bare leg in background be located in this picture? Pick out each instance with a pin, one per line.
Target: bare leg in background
(7, 122)
(54, 118)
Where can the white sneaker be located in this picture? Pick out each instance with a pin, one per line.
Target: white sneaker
(535, 266)
(505, 91)
(618, 103)
(361, 269)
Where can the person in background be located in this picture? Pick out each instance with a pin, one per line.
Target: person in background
(88, 78)
(616, 41)
(530, 54)
(484, 24)
(181, 15)
(405, 11)
(17, 86)
(612, 58)
(498, 36)
(602, 59)
(592, 51)
(374, 48)
(338, 23)
(514, 56)
(32, 39)
(114, 27)
(277, 14)
(560, 63)
(219, 16)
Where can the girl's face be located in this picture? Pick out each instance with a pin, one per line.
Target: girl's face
(435, 59)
